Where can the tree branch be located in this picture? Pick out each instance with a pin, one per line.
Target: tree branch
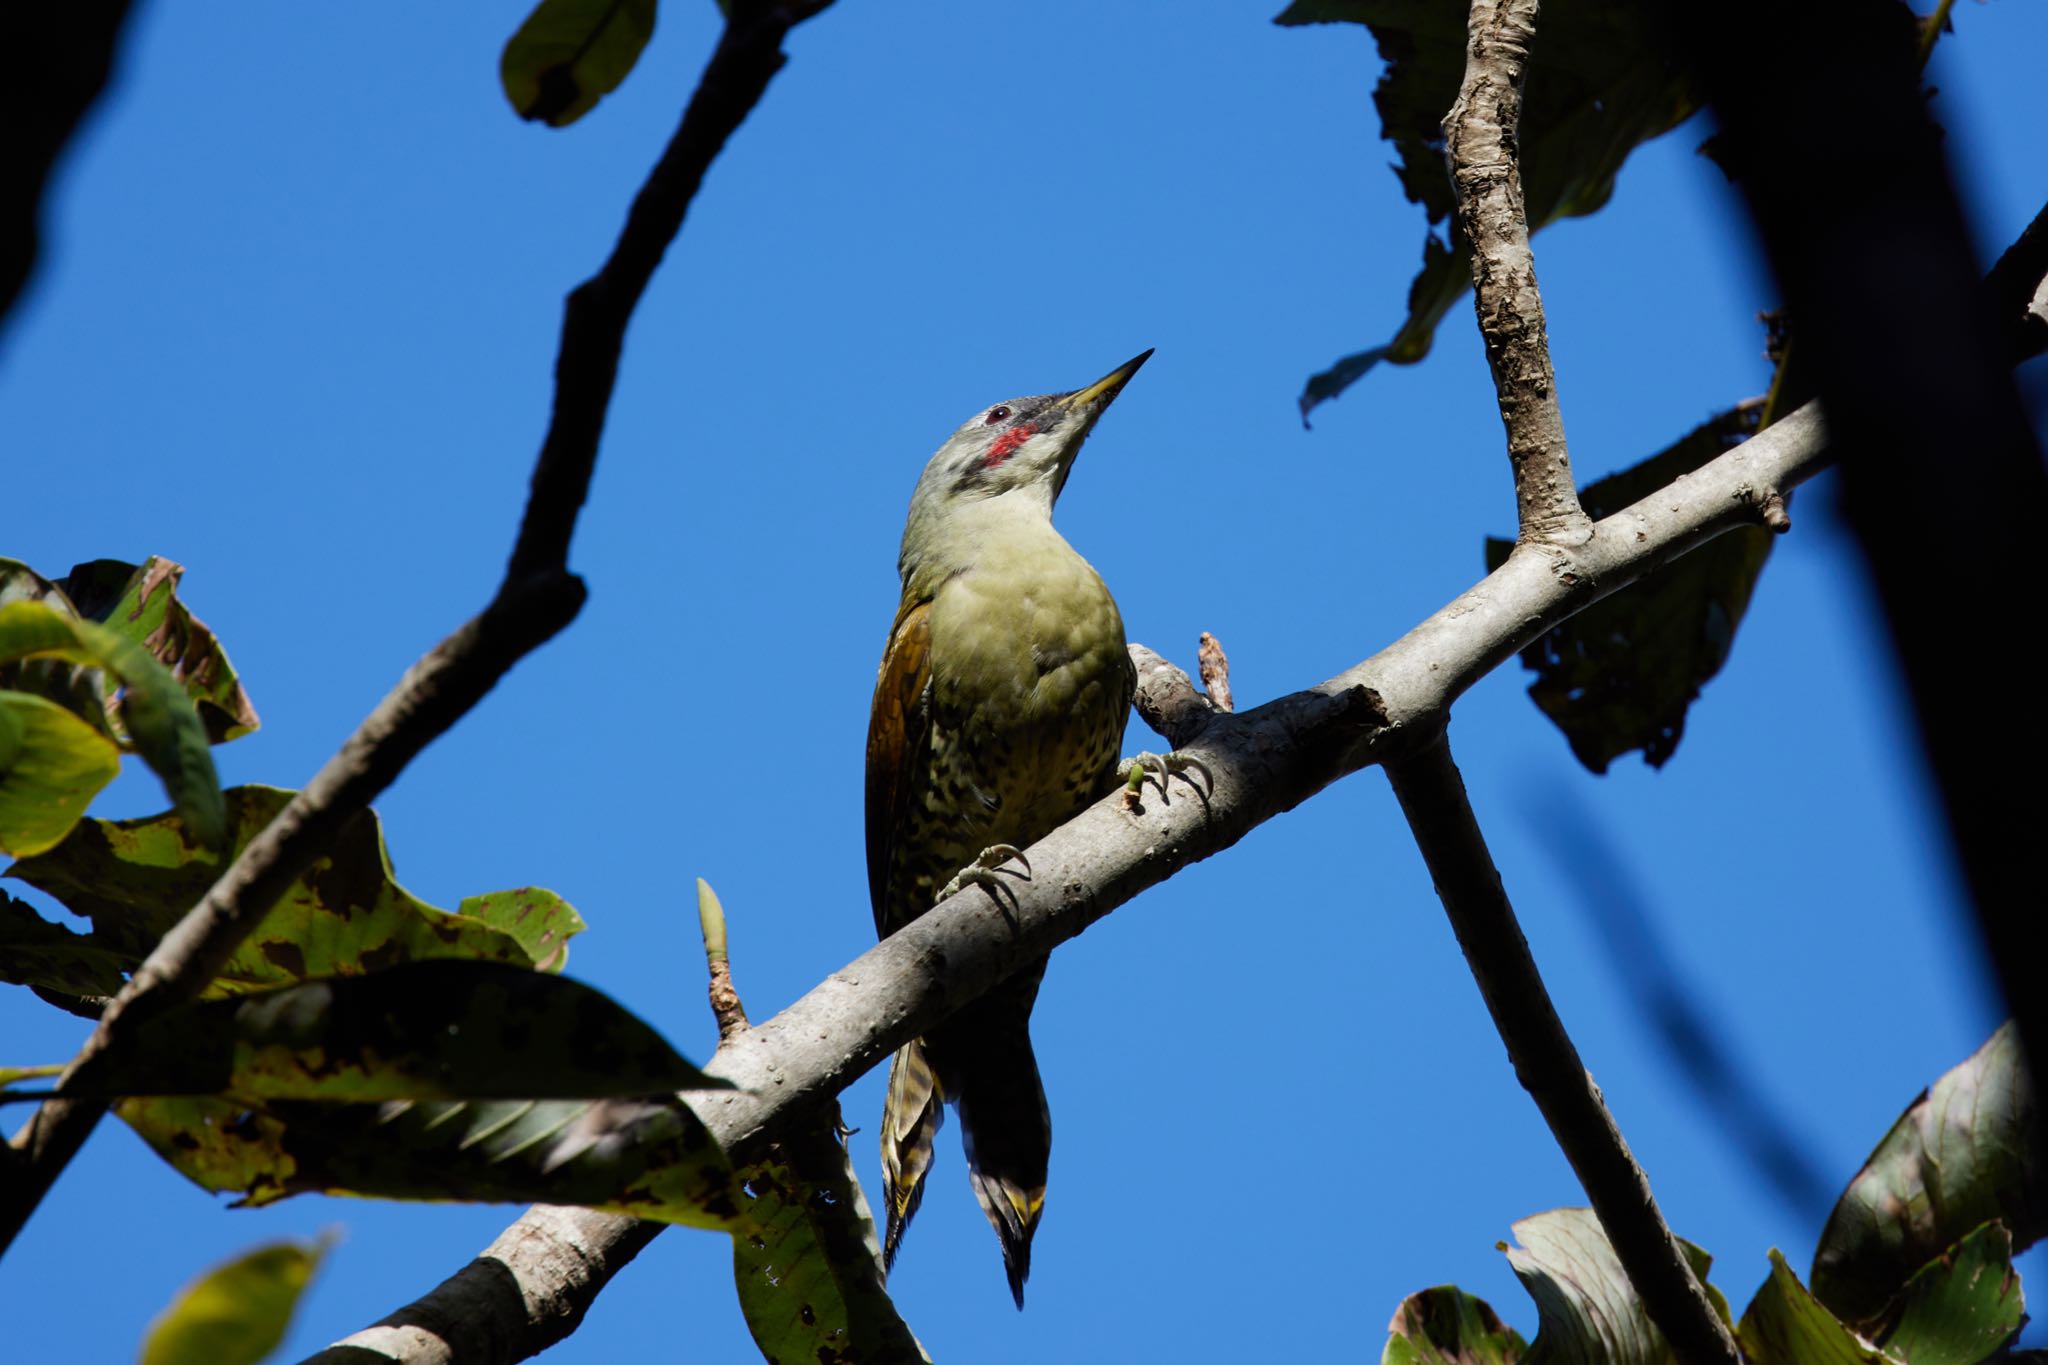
(1260, 762)
(537, 598)
(1432, 796)
(1479, 141)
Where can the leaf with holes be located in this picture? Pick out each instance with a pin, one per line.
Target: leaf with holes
(648, 1158)
(345, 915)
(808, 1264)
(1622, 674)
(1960, 1156)
(419, 1031)
(236, 1313)
(569, 54)
(1599, 85)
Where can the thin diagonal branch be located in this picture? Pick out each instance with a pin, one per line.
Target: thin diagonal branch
(537, 598)
(1480, 136)
(1432, 796)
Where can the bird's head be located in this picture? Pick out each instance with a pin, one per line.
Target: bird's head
(1020, 446)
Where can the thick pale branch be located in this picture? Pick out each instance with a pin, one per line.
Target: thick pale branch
(1480, 136)
(1432, 796)
(538, 598)
(1260, 762)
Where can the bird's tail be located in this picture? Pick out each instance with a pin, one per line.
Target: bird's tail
(911, 1117)
(984, 1052)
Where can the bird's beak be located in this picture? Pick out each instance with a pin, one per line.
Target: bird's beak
(1098, 395)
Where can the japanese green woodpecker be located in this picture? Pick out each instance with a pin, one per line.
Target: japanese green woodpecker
(998, 714)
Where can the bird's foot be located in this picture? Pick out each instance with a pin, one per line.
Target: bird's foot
(982, 871)
(1158, 767)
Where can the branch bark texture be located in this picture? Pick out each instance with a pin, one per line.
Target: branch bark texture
(537, 598)
(1480, 135)
(1432, 796)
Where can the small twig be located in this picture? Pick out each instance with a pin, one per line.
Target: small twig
(1479, 141)
(1168, 701)
(725, 1000)
(538, 597)
(1432, 796)
(1215, 665)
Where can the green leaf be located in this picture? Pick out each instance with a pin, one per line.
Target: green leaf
(569, 54)
(1599, 85)
(10, 1074)
(236, 1313)
(80, 689)
(422, 1030)
(1446, 1326)
(1960, 1308)
(344, 916)
(650, 1159)
(1960, 1156)
(163, 725)
(1786, 1325)
(35, 952)
(1589, 1309)
(140, 603)
(1621, 674)
(537, 918)
(808, 1264)
(54, 765)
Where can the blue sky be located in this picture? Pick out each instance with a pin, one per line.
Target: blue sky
(294, 329)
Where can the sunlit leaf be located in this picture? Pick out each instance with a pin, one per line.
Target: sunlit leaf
(648, 1158)
(1589, 1310)
(236, 1313)
(344, 916)
(161, 722)
(54, 764)
(422, 1030)
(1446, 1326)
(1599, 85)
(1959, 1157)
(569, 54)
(808, 1263)
(1621, 674)
(1786, 1325)
(541, 921)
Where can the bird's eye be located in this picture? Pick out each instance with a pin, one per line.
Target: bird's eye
(996, 414)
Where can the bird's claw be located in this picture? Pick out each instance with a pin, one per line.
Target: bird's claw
(982, 871)
(1158, 767)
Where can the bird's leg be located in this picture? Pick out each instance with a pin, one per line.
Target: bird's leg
(1133, 772)
(982, 871)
